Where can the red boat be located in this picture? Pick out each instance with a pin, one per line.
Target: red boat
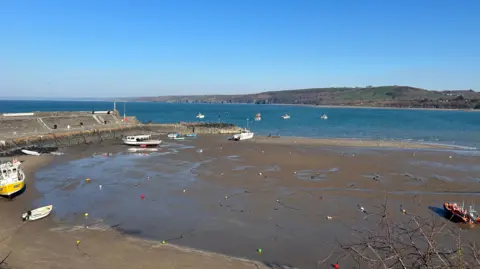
(457, 213)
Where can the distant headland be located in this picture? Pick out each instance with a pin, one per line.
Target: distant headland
(382, 96)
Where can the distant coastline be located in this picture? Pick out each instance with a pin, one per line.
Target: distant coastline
(400, 97)
(379, 107)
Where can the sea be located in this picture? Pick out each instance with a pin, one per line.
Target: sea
(456, 127)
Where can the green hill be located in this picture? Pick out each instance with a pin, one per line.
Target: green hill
(383, 96)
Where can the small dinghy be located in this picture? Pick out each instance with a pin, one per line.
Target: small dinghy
(179, 138)
(38, 213)
(173, 135)
(30, 152)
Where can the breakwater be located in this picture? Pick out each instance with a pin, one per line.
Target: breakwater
(39, 130)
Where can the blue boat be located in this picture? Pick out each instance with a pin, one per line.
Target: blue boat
(191, 135)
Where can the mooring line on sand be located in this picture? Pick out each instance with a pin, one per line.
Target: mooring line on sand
(181, 236)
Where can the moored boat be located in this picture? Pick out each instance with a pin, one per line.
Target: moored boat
(142, 149)
(258, 117)
(173, 135)
(286, 117)
(244, 135)
(141, 140)
(458, 213)
(200, 116)
(191, 135)
(30, 152)
(12, 178)
(38, 213)
(324, 117)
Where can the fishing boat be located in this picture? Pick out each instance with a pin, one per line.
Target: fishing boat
(286, 117)
(258, 117)
(141, 140)
(173, 135)
(200, 116)
(12, 178)
(324, 117)
(38, 213)
(458, 213)
(244, 135)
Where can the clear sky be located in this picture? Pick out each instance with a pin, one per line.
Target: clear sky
(163, 47)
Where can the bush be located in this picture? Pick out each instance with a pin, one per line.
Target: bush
(412, 243)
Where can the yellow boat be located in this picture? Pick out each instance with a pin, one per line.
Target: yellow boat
(12, 178)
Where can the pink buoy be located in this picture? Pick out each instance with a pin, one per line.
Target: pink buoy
(142, 196)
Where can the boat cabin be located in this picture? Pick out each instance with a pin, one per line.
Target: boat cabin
(8, 171)
(137, 138)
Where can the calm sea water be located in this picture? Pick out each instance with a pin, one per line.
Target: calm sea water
(445, 127)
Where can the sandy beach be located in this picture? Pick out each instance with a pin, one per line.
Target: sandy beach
(211, 200)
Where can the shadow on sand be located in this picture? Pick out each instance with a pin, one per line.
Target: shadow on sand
(275, 265)
(437, 210)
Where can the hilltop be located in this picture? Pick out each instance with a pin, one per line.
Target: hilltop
(383, 96)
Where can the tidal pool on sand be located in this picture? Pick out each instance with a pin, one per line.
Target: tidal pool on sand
(207, 216)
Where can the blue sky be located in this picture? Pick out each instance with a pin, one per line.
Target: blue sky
(162, 47)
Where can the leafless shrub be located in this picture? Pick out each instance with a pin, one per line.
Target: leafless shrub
(411, 241)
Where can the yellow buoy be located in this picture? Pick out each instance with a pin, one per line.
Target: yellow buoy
(78, 242)
(163, 242)
(86, 215)
(87, 180)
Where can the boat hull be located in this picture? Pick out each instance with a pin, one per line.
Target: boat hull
(10, 189)
(454, 216)
(243, 136)
(30, 152)
(151, 143)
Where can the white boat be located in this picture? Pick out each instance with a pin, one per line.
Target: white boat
(173, 135)
(141, 140)
(200, 116)
(179, 138)
(244, 135)
(30, 152)
(12, 178)
(286, 117)
(258, 117)
(142, 149)
(324, 117)
(38, 213)
(57, 153)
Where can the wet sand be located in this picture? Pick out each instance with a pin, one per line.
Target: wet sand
(231, 198)
(346, 143)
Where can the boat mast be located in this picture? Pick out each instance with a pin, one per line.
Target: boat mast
(124, 110)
